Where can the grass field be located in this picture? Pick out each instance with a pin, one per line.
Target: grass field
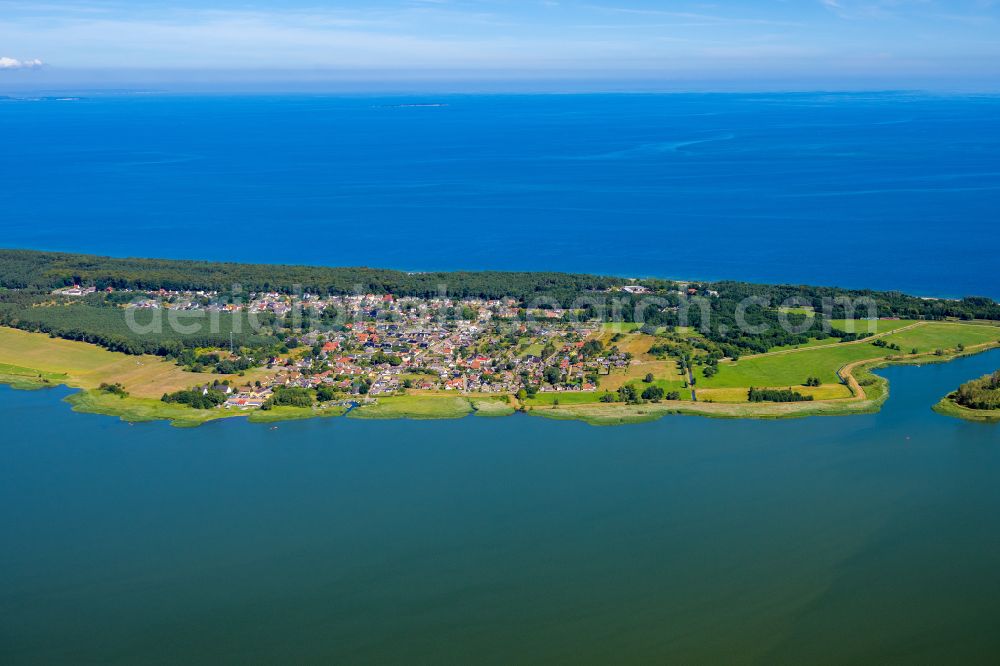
(564, 398)
(84, 365)
(662, 370)
(414, 407)
(813, 342)
(791, 369)
(500, 406)
(285, 413)
(534, 349)
(870, 326)
(134, 409)
(931, 336)
(29, 378)
(611, 327)
(736, 395)
(631, 341)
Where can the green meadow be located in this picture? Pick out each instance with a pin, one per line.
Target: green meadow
(564, 398)
(499, 406)
(936, 335)
(870, 326)
(789, 369)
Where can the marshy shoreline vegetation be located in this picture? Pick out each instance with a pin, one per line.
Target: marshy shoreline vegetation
(500, 343)
(975, 400)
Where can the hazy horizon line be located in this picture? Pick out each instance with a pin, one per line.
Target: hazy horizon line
(235, 81)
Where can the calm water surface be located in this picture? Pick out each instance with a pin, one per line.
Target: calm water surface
(867, 539)
(889, 191)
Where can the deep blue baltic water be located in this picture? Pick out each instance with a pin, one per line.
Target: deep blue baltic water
(890, 191)
(866, 539)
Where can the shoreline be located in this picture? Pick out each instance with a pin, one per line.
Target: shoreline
(948, 407)
(869, 392)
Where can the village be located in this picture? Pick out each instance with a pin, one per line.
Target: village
(375, 345)
(360, 347)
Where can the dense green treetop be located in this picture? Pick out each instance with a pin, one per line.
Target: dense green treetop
(48, 270)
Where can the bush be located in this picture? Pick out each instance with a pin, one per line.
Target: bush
(116, 389)
(653, 393)
(776, 395)
(291, 397)
(196, 398)
(982, 393)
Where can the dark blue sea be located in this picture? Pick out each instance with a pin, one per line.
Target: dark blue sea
(890, 191)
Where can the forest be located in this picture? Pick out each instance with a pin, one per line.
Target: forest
(44, 271)
(736, 318)
(108, 327)
(28, 269)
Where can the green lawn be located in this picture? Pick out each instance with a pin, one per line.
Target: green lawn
(688, 332)
(788, 369)
(793, 368)
(936, 335)
(666, 384)
(813, 342)
(620, 327)
(26, 378)
(534, 349)
(874, 326)
(565, 398)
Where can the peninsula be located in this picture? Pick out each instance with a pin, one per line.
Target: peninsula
(192, 341)
(975, 400)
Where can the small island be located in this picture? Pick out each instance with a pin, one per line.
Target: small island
(975, 400)
(192, 341)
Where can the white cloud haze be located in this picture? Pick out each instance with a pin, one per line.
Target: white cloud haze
(14, 63)
(938, 39)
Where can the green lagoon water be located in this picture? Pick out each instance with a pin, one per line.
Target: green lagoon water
(866, 539)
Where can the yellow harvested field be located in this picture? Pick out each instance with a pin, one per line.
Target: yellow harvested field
(661, 370)
(637, 344)
(87, 366)
(734, 395)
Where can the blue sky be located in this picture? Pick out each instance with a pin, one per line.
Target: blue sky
(879, 41)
